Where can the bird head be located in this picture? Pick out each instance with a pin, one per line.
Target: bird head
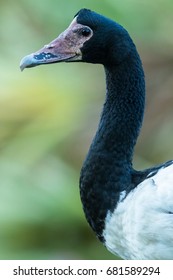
(90, 37)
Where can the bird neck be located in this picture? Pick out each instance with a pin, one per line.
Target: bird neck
(122, 113)
(108, 166)
(123, 110)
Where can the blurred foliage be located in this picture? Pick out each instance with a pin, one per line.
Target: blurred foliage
(47, 123)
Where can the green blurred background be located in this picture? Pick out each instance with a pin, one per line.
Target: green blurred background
(48, 116)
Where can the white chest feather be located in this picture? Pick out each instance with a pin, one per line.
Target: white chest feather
(141, 227)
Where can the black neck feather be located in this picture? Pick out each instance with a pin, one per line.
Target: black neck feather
(108, 167)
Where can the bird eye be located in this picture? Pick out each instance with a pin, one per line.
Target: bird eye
(85, 31)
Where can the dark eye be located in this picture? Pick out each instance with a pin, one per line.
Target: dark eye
(85, 31)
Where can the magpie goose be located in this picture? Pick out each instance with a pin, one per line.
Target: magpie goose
(130, 211)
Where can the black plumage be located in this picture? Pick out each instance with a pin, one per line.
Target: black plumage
(108, 182)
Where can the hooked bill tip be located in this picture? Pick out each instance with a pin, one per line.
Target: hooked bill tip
(27, 61)
(35, 59)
